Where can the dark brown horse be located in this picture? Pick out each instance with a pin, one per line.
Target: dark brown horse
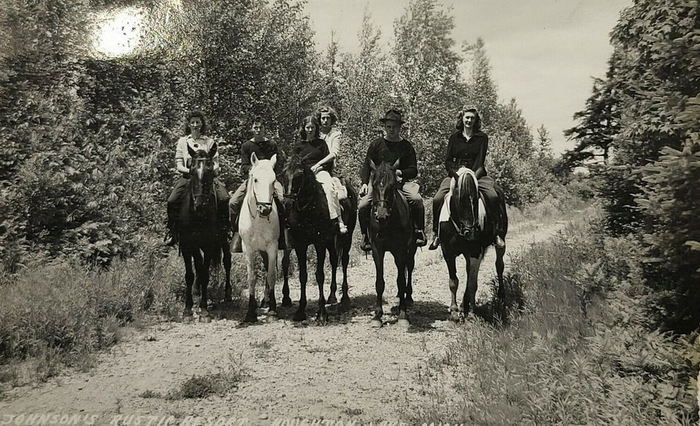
(201, 238)
(469, 232)
(391, 229)
(309, 223)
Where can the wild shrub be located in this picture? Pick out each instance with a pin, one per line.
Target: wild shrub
(580, 353)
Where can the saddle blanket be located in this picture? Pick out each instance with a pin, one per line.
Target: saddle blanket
(445, 210)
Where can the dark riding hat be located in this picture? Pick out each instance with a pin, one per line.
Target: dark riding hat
(392, 115)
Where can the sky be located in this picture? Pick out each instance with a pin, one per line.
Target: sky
(543, 53)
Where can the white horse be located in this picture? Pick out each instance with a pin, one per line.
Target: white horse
(259, 228)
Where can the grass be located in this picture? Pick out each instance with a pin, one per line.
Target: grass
(220, 383)
(60, 313)
(580, 352)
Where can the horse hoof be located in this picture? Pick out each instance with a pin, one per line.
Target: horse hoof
(204, 319)
(376, 323)
(272, 316)
(251, 317)
(299, 316)
(455, 316)
(286, 302)
(409, 302)
(332, 300)
(470, 317)
(395, 309)
(322, 319)
(403, 323)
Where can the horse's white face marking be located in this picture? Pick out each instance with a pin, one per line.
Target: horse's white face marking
(262, 179)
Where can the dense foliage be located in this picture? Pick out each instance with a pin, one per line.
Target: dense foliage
(644, 115)
(86, 152)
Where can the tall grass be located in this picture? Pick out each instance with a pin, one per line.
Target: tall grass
(58, 313)
(580, 353)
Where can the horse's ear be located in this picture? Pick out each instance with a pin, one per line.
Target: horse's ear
(212, 151)
(191, 151)
(253, 158)
(274, 160)
(372, 165)
(396, 164)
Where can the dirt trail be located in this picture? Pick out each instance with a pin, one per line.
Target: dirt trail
(345, 370)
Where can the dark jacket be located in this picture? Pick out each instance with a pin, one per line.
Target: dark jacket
(264, 150)
(312, 152)
(471, 154)
(382, 150)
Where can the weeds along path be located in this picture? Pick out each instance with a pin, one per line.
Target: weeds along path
(345, 370)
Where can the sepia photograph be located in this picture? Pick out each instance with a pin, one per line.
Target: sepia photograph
(349, 212)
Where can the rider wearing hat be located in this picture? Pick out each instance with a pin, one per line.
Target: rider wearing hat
(390, 148)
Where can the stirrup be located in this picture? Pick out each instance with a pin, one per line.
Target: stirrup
(420, 239)
(365, 245)
(170, 240)
(435, 243)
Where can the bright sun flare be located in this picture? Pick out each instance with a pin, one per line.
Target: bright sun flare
(118, 32)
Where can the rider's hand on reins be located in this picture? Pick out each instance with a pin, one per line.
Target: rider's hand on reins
(363, 190)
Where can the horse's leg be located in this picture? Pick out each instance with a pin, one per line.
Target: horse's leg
(345, 260)
(198, 262)
(264, 303)
(400, 261)
(410, 264)
(300, 314)
(378, 256)
(196, 256)
(251, 315)
(501, 297)
(226, 259)
(322, 315)
(451, 261)
(189, 279)
(286, 300)
(203, 279)
(469, 301)
(333, 260)
(271, 280)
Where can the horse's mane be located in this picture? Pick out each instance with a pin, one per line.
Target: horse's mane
(383, 168)
(294, 162)
(467, 183)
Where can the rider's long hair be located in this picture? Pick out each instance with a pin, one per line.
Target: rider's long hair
(460, 119)
(309, 119)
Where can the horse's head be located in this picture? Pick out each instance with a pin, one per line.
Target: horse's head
(464, 205)
(299, 178)
(202, 176)
(261, 181)
(383, 183)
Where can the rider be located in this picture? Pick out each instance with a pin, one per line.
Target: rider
(390, 148)
(264, 149)
(467, 147)
(195, 137)
(327, 117)
(312, 150)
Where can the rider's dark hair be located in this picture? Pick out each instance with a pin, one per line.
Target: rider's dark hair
(460, 119)
(309, 119)
(196, 114)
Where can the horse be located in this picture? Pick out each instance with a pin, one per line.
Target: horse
(391, 229)
(310, 224)
(258, 226)
(199, 232)
(469, 232)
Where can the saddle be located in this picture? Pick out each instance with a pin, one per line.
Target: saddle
(445, 210)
